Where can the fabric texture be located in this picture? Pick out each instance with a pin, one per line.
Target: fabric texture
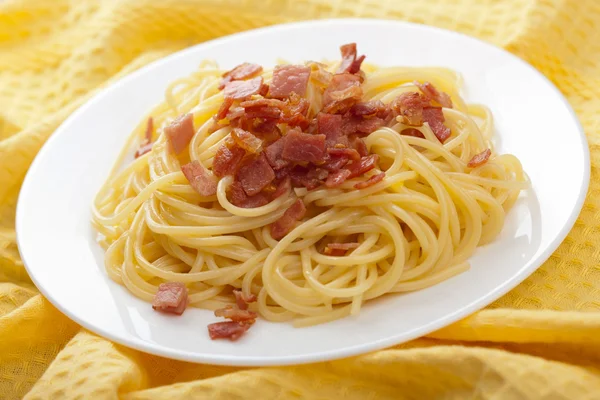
(540, 341)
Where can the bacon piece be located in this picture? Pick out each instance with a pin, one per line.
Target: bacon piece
(368, 109)
(255, 175)
(227, 330)
(224, 109)
(246, 140)
(266, 112)
(359, 145)
(295, 112)
(235, 314)
(180, 131)
(239, 198)
(412, 132)
(288, 79)
(409, 106)
(317, 173)
(335, 163)
(480, 158)
(249, 104)
(282, 172)
(287, 221)
(267, 129)
(242, 300)
(235, 113)
(201, 180)
(171, 297)
(330, 125)
(143, 149)
(361, 126)
(431, 92)
(365, 164)
(300, 178)
(319, 75)
(337, 178)
(343, 92)
(242, 71)
(339, 249)
(274, 153)
(302, 147)
(371, 181)
(435, 118)
(227, 160)
(351, 154)
(284, 187)
(350, 63)
(239, 90)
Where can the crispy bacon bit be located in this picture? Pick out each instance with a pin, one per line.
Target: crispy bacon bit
(365, 164)
(361, 126)
(330, 125)
(352, 154)
(246, 140)
(227, 330)
(435, 118)
(255, 175)
(262, 102)
(242, 300)
(480, 158)
(284, 187)
(201, 180)
(288, 79)
(350, 63)
(145, 148)
(359, 145)
(299, 177)
(337, 178)
(239, 198)
(319, 75)
(412, 132)
(235, 113)
(342, 93)
(286, 223)
(339, 249)
(242, 71)
(180, 132)
(266, 112)
(335, 163)
(172, 297)
(409, 106)
(274, 154)
(224, 109)
(302, 147)
(369, 108)
(371, 181)
(431, 92)
(227, 160)
(235, 314)
(264, 89)
(296, 110)
(239, 90)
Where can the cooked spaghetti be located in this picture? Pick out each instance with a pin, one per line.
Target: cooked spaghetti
(310, 189)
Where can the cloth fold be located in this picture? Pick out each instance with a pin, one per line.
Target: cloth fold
(540, 341)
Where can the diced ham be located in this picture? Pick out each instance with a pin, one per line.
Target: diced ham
(274, 154)
(286, 223)
(171, 297)
(412, 132)
(431, 92)
(242, 300)
(365, 164)
(339, 249)
(224, 109)
(330, 125)
(235, 314)
(242, 71)
(351, 154)
(319, 75)
(246, 140)
(288, 79)
(201, 180)
(255, 175)
(350, 63)
(227, 161)
(337, 178)
(435, 118)
(180, 131)
(303, 147)
(239, 198)
(227, 330)
(283, 188)
(371, 181)
(480, 158)
(239, 90)
(409, 106)
(343, 92)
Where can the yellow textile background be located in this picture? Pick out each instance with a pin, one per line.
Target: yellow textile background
(541, 341)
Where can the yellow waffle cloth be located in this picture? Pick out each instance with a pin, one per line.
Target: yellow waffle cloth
(540, 341)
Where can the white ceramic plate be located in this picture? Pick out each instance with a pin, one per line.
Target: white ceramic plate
(533, 121)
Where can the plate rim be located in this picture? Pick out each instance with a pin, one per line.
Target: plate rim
(309, 357)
